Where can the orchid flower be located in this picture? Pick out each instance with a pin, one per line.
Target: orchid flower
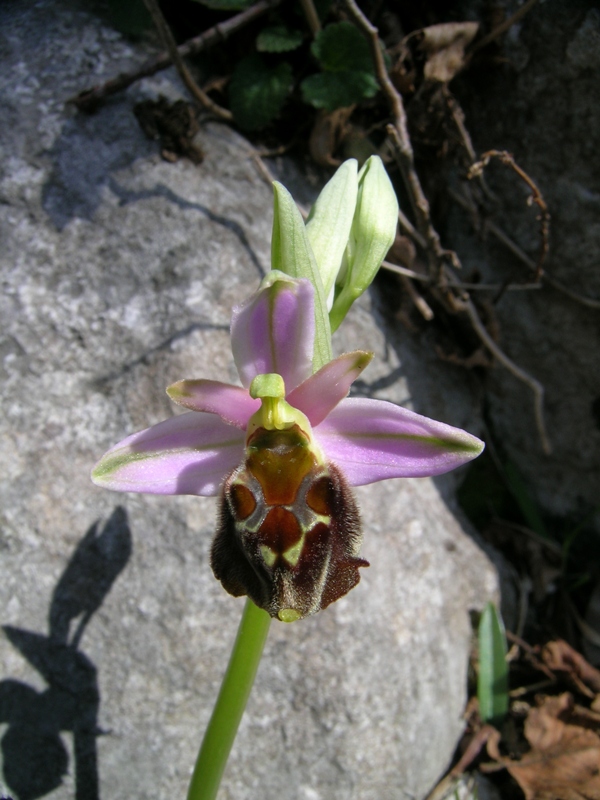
(282, 451)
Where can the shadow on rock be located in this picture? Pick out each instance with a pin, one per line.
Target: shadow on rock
(35, 756)
(88, 150)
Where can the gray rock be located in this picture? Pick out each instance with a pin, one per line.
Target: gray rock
(119, 273)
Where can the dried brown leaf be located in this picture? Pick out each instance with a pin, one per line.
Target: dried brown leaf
(329, 129)
(564, 760)
(444, 46)
(561, 657)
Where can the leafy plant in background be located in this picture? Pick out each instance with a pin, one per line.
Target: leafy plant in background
(259, 89)
(262, 81)
(347, 74)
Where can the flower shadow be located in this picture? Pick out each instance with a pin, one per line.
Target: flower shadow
(34, 755)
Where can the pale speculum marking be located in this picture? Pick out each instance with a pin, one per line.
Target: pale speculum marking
(281, 529)
(289, 533)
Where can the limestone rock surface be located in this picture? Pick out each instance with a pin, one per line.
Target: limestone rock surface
(119, 273)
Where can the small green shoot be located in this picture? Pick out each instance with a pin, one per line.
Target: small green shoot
(492, 680)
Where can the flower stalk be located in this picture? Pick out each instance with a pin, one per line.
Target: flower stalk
(231, 703)
(284, 449)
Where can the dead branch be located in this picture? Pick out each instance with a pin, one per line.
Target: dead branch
(579, 298)
(535, 197)
(418, 300)
(168, 41)
(263, 170)
(440, 261)
(472, 287)
(410, 229)
(312, 18)
(535, 386)
(408, 273)
(458, 117)
(547, 278)
(401, 139)
(91, 98)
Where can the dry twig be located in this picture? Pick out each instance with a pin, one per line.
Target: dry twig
(589, 302)
(546, 278)
(90, 98)
(169, 42)
(440, 261)
(458, 117)
(419, 301)
(406, 272)
(400, 138)
(535, 386)
(312, 18)
(535, 197)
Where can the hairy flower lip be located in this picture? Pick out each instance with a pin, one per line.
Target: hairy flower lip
(272, 332)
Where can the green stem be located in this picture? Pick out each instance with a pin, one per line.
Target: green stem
(231, 702)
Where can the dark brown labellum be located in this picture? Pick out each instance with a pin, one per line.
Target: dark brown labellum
(289, 531)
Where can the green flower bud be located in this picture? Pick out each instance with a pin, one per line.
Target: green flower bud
(371, 236)
(330, 221)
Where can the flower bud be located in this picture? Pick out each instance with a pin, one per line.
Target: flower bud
(371, 236)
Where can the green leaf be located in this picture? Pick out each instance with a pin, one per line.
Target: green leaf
(330, 220)
(341, 47)
(278, 39)
(492, 681)
(257, 92)
(331, 90)
(226, 5)
(291, 253)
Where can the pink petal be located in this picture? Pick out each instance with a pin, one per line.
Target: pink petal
(232, 403)
(321, 393)
(274, 332)
(188, 454)
(371, 440)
